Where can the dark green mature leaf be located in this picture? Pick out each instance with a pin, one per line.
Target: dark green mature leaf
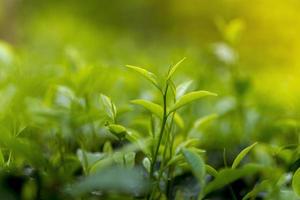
(296, 182)
(192, 96)
(196, 163)
(148, 75)
(241, 155)
(152, 107)
(174, 68)
(228, 175)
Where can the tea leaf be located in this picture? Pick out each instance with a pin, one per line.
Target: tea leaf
(210, 170)
(241, 155)
(182, 88)
(227, 176)
(174, 68)
(192, 96)
(109, 106)
(196, 163)
(116, 129)
(148, 75)
(204, 120)
(152, 107)
(178, 120)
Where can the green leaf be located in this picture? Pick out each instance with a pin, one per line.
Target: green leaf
(187, 143)
(227, 176)
(178, 120)
(174, 68)
(192, 96)
(148, 75)
(175, 160)
(196, 163)
(210, 170)
(241, 155)
(118, 130)
(182, 88)
(296, 182)
(109, 106)
(264, 185)
(152, 107)
(204, 120)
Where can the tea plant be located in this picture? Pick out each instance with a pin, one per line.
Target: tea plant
(162, 172)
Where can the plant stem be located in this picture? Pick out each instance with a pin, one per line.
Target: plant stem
(163, 125)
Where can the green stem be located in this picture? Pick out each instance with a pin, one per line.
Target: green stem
(158, 145)
(163, 125)
(164, 161)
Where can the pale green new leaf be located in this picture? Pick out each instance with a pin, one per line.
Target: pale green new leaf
(192, 96)
(175, 159)
(204, 120)
(152, 107)
(196, 163)
(174, 68)
(148, 75)
(241, 155)
(182, 88)
(188, 143)
(116, 128)
(178, 120)
(296, 182)
(109, 106)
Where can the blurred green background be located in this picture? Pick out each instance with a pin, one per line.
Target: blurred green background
(246, 51)
(157, 33)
